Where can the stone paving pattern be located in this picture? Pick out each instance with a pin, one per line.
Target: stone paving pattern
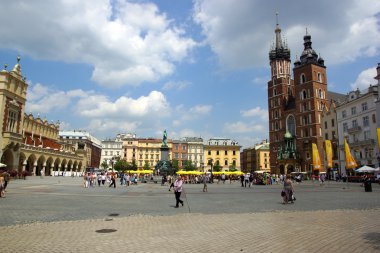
(57, 215)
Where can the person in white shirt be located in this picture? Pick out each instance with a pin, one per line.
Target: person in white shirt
(177, 191)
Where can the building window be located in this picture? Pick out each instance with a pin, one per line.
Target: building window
(373, 118)
(366, 121)
(225, 162)
(326, 136)
(12, 119)
(320, 95)
(344, 114)
(354, 123)
(302, 78)
(332, 122)
(225, 152)
(319, 77)
(325, 124)
(209, 152)
(234, 152)
(367, 135)
(291, 125)
(345, 127)
(364, 106)
(353, 110)
(217, 152)
(333, 134)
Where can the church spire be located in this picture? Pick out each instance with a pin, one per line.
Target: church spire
(278, 34)
(280, 49)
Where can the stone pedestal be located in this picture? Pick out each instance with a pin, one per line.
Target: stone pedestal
(164, 164)
(164, 153)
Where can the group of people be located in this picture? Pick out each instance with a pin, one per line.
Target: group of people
(91, 179)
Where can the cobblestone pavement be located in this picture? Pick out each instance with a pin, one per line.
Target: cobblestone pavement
(57, 215)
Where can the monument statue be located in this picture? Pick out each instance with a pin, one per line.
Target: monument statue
(164, 166)
(164, 139)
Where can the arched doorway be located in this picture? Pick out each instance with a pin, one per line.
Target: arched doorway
(30, 164)
(282, 169)
(40, 165)
(8, 158)
(289, 169)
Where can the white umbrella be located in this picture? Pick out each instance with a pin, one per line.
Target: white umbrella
(366, 168)
(2, 165)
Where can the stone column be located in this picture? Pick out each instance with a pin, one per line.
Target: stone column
(43, 169)
(24, 165)
(34, 168)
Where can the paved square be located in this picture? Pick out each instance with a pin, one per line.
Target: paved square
(57, 214)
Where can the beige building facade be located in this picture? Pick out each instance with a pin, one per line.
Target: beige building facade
(29, 143)
(223, 152)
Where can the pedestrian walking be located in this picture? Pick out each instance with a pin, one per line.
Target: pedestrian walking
(113, 180)
(223, 178)
(6, 179)
(2, 191)
(288, 191)
(246, 179)
(242, 180)
(178, 190)
(205, 183)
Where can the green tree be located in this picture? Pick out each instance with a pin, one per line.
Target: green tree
(134, 164)
(232, 167)
(146, 165)
(216, 168)
(104, 165)
(188, 166)
(120, 165)
(175, 164)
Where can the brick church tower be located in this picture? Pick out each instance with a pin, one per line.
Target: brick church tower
(295, 106)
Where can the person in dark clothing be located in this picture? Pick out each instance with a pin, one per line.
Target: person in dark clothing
(113, 180)
(242, 180)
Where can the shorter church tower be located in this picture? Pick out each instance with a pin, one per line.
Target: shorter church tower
(311, 91)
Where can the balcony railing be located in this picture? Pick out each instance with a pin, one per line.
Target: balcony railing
(354, 129)
(369, 142)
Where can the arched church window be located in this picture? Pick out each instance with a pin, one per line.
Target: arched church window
(303, 78)
(304, 94)
(319, 77)
(291, 125)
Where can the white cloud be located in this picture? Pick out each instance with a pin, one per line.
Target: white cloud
(239, 34)
(365, 78)
(242, 127)
(127, 43)
(99, 106)
(201, 109)
(180, 85)
(103, 114)
(184, 115)
(256, 112)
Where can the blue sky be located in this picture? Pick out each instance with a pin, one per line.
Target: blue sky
(195, 68)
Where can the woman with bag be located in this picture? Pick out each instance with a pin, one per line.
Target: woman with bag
(287, 192)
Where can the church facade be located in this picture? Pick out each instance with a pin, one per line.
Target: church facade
(296, 101)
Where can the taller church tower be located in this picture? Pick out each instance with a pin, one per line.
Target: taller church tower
(281, 101)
